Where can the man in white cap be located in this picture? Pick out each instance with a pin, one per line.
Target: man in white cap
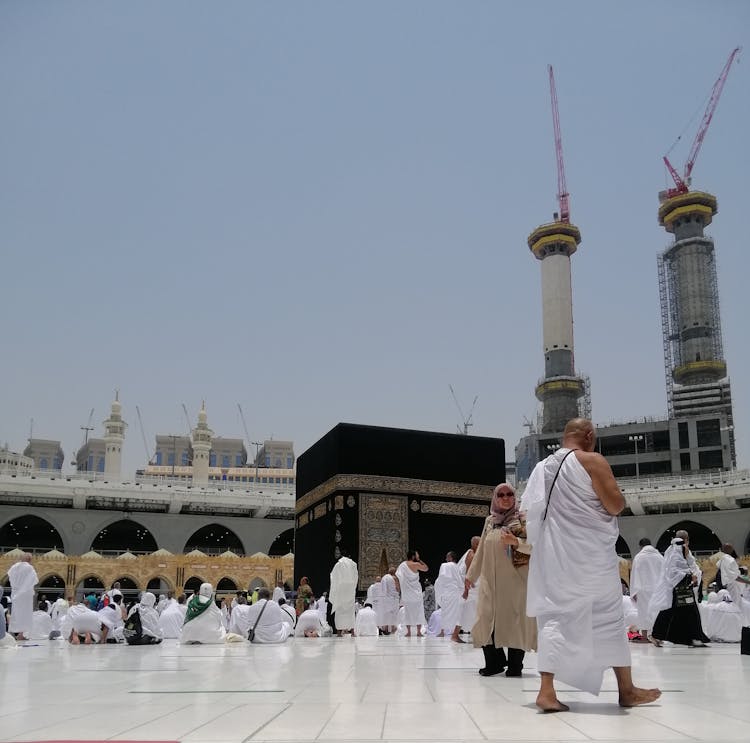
(203, 621)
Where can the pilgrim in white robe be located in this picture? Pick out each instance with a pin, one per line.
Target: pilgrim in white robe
(630, 612)
(344, 578)
(22, 578)
(449, 589)
(469, 612)
(6, 639)
(435, 625)
(645, 575)
(149, 616)
(278, 593)
(273, 625)
(322, 606)
(389, 601)
(309, 622)
(574, 588)
(171, 621)
(81, 620)
(411, 595)
(111, 617)
(203, 622)
(57, 614)
(289, 609)
(730, 572)
(367, 622)
(239, 620)
(41, 625)
(374, 595)
(721, 620)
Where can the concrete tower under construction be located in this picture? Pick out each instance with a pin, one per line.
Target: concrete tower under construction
(696, 372)
(561, 389)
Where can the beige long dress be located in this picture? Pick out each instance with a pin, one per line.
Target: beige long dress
(501, 603)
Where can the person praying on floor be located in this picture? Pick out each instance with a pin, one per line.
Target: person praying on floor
(203, 621)
(82, 622)
(172, 619)
(310, 624)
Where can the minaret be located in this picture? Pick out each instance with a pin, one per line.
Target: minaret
(559, 391)
(202, 437)
(696, 371)
(114, 435)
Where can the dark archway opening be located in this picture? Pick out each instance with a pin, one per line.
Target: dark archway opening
(30, 533)
(622, 548)
(215, 539)
(124, 536)
(129, 588)
(283, 544)
(257, 583)
(91, 584)
(702, 541)
(51, 588)
(159, 586)
(193, 584)
(226, 585)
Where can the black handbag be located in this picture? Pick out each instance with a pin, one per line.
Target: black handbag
(251, 633)
(683, 593)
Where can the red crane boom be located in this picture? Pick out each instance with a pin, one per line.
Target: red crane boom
(682, 181)
(563, 196)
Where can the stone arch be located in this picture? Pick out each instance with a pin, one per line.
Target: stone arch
(214, 539)
(89, 582)
(31, 533)
(257, 582)
(703, 541)
(159, 584)
(227, 585)
(622, 548)
(124, 534)
(283, 544)
(129, 587)
(51, 585)
(193, 583)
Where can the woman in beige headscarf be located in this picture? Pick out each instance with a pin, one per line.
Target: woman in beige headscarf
(502, 561)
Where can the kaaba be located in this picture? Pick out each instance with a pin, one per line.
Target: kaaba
(374, 493)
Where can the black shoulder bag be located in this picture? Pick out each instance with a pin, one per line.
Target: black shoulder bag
(549, 495)
(251, 633)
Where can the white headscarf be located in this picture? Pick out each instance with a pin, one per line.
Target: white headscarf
(205, 592)
(148, 599)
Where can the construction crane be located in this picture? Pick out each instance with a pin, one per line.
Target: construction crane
(563, 197)
(244, 424)
(187, 419)
(682, 182)
(466, 420)
(143, 435)
(88, 427)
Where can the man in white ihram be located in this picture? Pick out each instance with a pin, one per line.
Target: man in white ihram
(367, 622)
(449, 589)
(270, 622)
(22, 578)
(645, 574)
(374, 594)
(571, 502)
(389, 601)
(344, 578)
(469, 613)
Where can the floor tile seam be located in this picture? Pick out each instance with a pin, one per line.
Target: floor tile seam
(473, 721)
(362, 698)
(213, 719)
(328, 719)
(385, 717)
(287, 706)
(149, 722)
(301, 691)
(686, 736)
(41, 727)
(638, 713)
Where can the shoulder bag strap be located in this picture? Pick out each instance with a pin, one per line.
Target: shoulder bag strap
(549, 495)
(260, 615)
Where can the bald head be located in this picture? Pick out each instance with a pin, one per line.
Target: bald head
(682, 534)
(25, 557)
(579, 433)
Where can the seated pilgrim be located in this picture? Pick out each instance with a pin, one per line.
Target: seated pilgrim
(113, 616)
(41, 622)
(150, 630)
(434, 624)
(81, 622)
(270, 621)
(289, 609)
(239, 622)
(203, 622)
(6, 639)
(172, 618)
(366, 623)
(309, 624)
(57, 614)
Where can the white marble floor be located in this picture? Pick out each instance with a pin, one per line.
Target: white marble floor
(368, 689)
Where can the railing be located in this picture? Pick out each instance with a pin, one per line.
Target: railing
(698, 480)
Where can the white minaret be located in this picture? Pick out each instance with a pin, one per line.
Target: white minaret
(202, 438)
(114, 435)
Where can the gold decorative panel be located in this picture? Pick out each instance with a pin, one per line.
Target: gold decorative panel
(454, 509)
(383, 526)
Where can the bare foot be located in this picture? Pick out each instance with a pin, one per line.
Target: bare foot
(87, 640)
(458, 639)
(550, 703)
(74, 639)
(637, 696)
(408, 634)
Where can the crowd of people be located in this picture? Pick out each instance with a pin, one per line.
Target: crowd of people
(542, 576)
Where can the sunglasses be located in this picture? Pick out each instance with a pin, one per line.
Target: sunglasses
(505, 495)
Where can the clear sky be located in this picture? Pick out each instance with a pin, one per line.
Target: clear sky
(320, 210)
